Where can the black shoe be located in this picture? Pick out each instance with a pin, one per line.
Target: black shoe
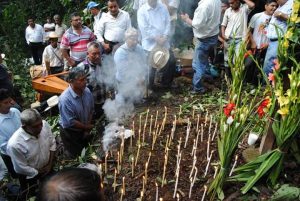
(201, 91)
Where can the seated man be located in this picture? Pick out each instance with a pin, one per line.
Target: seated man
(52, 57)
(76, 108)
(131, 72)
(31, 149)
(9, 123)
(92, 65)
(76, 184)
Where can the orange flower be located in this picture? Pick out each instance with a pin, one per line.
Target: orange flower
(262, 106)
(277, 66)
(228, 108)
(248, 53)
(271, 78)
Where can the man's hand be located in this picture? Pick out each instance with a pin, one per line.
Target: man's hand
(185, 17)
(106, 47)
(71, 62)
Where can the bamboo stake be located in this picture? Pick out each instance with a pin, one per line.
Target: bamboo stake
(132, 166)
(177, 196)
(187, 132)
(150, 127)
(206, 116)
(118, 162)
(145, 125)
(146, 172)
(115, 180)
(198, 119)
(137, 154)
(210, 123)
(208, 162)
(165, 167)
(122, 191)
(215, 131)
(177, 173)
(192, 180)
(216, 171)
(156, 187)
(155, 123)
(193, 113)
(123, 185)
(202, 130)
(105, 163)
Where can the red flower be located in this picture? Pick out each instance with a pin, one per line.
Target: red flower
(228, 108)
(271, 78)
(262, 106)
(248, 53)
(277, 66)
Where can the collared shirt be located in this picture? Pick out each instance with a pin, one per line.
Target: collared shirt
(34, 35)
(236, 22)
(153, 22)
(9, 123)
(139, 3)
(28, 153)
(206, 18)
(77, 43)
(130, 69)
(60, 30)
(280, 24)
(53, 55)
(259, 23)
(51, 27)
(113, 28)
(97, 19)
(73, 107)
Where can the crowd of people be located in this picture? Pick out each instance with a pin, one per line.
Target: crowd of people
(114, 54)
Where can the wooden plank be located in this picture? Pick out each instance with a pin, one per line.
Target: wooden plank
(267, 141)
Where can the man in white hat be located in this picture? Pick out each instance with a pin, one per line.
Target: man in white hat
(154, 24)
(52, 56)
(94, 9)
(112, 26)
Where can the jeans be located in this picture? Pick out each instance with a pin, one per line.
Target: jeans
(270, 56)
(200, 60)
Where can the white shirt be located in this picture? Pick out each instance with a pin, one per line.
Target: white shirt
(259, 23)
(28, 154)
(97, 19)
(236, 22)
(49, 56)
(153, 22)
(111, 28)
(34, 35)
(206, 18)
(280, 24)
(51, 27)
(60, 30)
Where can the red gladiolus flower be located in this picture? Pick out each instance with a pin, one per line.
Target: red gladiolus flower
(262, 106)
(277, 66)
(271, 78)
(228, 108)
(248, 53)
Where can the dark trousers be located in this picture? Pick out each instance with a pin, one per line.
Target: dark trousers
(73, 141)
(9, 166)
(56, 69)
(36, 50)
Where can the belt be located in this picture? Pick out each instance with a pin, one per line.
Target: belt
(273, 39)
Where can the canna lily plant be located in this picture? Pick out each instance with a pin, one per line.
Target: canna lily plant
(286, 121)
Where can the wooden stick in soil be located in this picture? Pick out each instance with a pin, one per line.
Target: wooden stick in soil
(144, 184)
(194, 147)
(216, 171)
(165, 167)
(165, 118)
(118, 162)
(187, 132)
(202, 130)
(115, 180)
(193, 166)
(208, 149)
(193, 179)
(137, 154)
(105, 163)
(208, 163)
(122, 194)
(210, 123)
(177, 196)
(203, 196)
(150, 127)
(215, 131)
(193, 113)
(149, 157)
(234, 164)
(198, 119)
(132, 166)
(145, 125)
(180, 111)
(123, 185)
(146, 172)
(206, 116)
(155, 123)
(156, 190)
(177, 172)
(140, 129)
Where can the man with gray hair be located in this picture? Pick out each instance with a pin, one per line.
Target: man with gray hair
(76, 108)
(131, 72)
(32, 149)
(60, 28)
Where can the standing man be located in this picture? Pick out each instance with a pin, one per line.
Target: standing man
(60, 28)
(52, 57)
(92, 65)
(9, 123)
(154, 24)
(76, 108)
(234, 25)
(34, 36)
(276, 29)
(93, 7)
(75, 40)
(112, 26)
(206, 29)
(32, 149)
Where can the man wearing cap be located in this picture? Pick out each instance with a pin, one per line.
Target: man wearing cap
(93, 7)
(112, 26)
(52, 56)
(32, 149)
(60, 28)
(76, 108)
(206, 29)
(34, 36)
(75, 41)
(96, 75)
(154, 24)
(9, 123)
(131, 72)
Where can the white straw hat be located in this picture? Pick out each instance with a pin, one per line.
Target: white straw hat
(159, 57)
(51, 102)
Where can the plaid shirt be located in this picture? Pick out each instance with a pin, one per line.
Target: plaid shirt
(77, 43)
